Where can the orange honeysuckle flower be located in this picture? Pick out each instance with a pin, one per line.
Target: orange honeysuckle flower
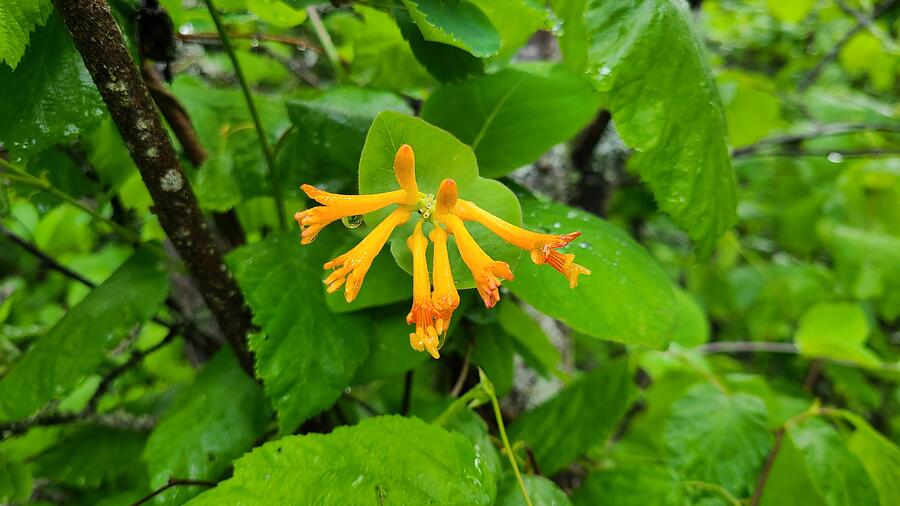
(336, 206)
(351, 267)
(541, 246)
(428, 321)
(445, 298)
(486, 271)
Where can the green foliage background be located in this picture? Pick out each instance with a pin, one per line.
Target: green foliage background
(733, 166)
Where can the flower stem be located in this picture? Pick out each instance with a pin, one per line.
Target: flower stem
(254, 113)
(509, 453)
(458, 404)
(327, 43)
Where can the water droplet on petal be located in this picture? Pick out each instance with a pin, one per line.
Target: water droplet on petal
(352, 221)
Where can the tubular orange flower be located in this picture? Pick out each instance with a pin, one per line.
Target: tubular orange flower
(351, 267)
(427, 320)
(445, 298)
(541, 246)
(405, 172)
(486, 271)
(336, 206)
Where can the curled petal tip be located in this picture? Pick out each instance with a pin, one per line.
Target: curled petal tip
(571, 236)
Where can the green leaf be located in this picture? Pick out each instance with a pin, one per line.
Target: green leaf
(666, 106)
(530, 340)
(209, 424)
(790, 12)
(814, 467)
(541, 491)
(573, 40)
(752, 107)
(627, 297)
(277, 13)
(19, 19)
(631, 485)
(556, 431)
(385, 283)
(702, 443)
(459, 23)
(692, 326)
(445, 62)
(383, 460)
(305, 355)
(50, 96)
(389, 351)
(438, 155)
(215, 184)
(879, 456)
(15, 480)
(515, 22)
(77, 345)
(493, 352)
(514, 116)
(837, 331)
(380, 56)
(90, 456)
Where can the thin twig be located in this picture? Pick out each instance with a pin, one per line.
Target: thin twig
(843, 153)
(463, 373)
(254, 114)
(327, 44)
(174, 482)
(861, 24)
(821, 131)
(748, 347)
(713, 487)
(215, 38)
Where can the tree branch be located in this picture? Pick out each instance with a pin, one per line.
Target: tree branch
(175, 114)
(862, 23)
(821, 131)
(102, 47)
(214, 38)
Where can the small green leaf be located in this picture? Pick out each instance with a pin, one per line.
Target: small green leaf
(215, 184)
(528, 337)
(20, 18)
(459, 23)
(556, 431)
(305, 355)
(632, 485)
(692, 326)
(77, 345)
(814, 467)
(438, 155)
(666, 106)
(879, 456)
(277, 13)
(445, 62)
(573, 41)
(790, 12)
(515, 22)
(701, 437)
(837, 331)
(627, 297)
(512, 117)
(50, 96)
(541, 491)
(209, 424)
(383, 460)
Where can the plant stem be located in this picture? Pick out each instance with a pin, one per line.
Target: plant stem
(509, 453)
(327, 43)
(712, 487)
(254, 113)
(458, 405)
(20, 175)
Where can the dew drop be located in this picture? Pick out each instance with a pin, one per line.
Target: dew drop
(835, 157)
(352, 221)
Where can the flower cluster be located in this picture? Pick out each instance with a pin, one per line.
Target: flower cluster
(434, 297)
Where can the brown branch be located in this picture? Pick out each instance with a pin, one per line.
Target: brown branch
(213, 38)
(593, 190)
(821, 131)
(175, 113)
(862, 23)
(174, 482)
(843, 153)
(102, 47)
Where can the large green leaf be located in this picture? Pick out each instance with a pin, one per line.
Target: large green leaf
(459, 23)
(210, 423)
(718, 437)
(50, 96)
(383, 460)
(90, 456)
(305, 355)
(512, 117)
(837, 331)
(77, 345)
(814, 467)
(631, 485)
(665, 106)
(438, 155)
(627, 297)
(19, 18)
(879, 456)
(556, 430)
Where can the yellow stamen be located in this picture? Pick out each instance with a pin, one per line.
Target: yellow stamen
(351, 267)
(422, 313)
(405, 172)
(540, 246)
(336, 206)
(445, 298)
